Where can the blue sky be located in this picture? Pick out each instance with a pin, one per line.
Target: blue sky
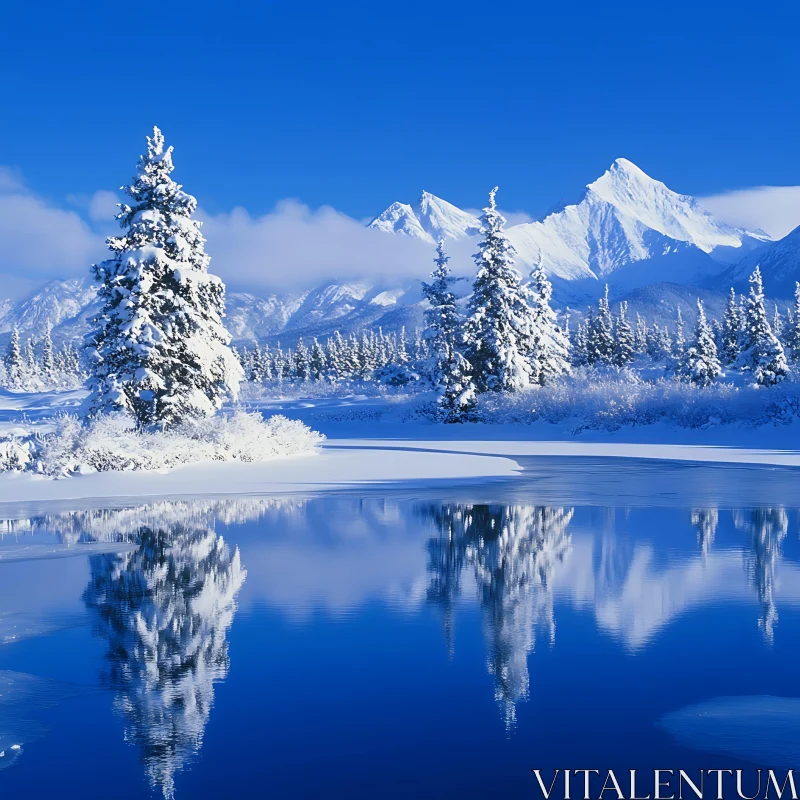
(353, 105)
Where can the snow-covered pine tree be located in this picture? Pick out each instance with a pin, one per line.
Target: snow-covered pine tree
(732, 331)
(777, 323)
(762, 353)
(29, 357)
(14, 363)
(335, 347)
(265, 365)
(278, 363)
(679, 342)
(317, 363)
(448, 371)
(579, 346)
(699, 363)
(550, 356)
(301, 362)
(640, 336)
(624, 341)
(498, 332)
(792, 334)
(48, 369)
(160, 351)
(600, 339)
(401, 353)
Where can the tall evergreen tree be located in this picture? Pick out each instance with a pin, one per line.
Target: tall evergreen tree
(449, 370)
(48, 364)
(624, 342)
(31, 367)
(762, 353)
(679, 342)
(499, 334)
(600, 339)
(699, 362)
(792, 334)
(317, 361)
(14, 363)
(160, 351)
(579, 346)
(550, 355)
(301, 362)
(640, 336)
(732, 330)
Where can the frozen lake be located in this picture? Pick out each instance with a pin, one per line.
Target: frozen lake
(402, 642)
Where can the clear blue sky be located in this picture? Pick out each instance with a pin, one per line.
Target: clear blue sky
(354, 106)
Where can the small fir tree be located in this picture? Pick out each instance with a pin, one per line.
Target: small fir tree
(699, 363)
(762, 353)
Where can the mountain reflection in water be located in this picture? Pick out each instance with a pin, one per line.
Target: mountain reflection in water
(163, 603)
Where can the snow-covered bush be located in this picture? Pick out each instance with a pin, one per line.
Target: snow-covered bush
(612, 399)
(112, 442)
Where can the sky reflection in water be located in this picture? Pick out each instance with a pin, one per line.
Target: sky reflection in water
(361, 646)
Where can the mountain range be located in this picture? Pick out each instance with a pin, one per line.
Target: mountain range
(654, 247)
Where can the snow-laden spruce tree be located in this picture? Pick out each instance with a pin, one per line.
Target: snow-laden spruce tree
(762, 353)
(624, 341)
(160, 351)
(580, 345)
(48, 367)
(550, 354)
(499, 335)
(448, 370)
(679, 343)
(600, 337)
(699, 363)
(792, 332)
(640, 336)
(14, 363)
(732, 329)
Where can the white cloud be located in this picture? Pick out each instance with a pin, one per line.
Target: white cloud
(39, 240)
(296, 246)
(773, 209)
(103, 206)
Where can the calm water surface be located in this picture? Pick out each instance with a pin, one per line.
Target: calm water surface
(436, 644)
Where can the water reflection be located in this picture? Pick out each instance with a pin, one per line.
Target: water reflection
(164, 595)
(512, 551)
(766, 529)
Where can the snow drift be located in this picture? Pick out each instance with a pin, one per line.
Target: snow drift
(112, 442)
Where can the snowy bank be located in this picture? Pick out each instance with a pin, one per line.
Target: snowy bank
(112, 443)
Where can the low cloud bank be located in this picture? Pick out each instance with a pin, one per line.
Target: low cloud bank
(773, 209)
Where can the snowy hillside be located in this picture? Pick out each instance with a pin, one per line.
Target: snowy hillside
(68, 305)
(780, 266)
(619, 232)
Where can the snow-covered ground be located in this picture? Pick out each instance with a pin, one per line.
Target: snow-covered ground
(368, 445)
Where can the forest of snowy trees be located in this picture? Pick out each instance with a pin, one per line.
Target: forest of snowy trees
(505, 337)
(159, 355)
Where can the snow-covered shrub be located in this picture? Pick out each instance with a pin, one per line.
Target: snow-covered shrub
(602, 399)
(112, 442)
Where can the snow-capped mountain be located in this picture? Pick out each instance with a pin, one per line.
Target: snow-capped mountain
(780, 267)
(429, 219)
(628, 229)
(68, 305)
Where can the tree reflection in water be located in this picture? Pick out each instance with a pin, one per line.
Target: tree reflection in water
(512, 551)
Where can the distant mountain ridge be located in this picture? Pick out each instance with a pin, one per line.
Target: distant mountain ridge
(652, 245)
(620, 230)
